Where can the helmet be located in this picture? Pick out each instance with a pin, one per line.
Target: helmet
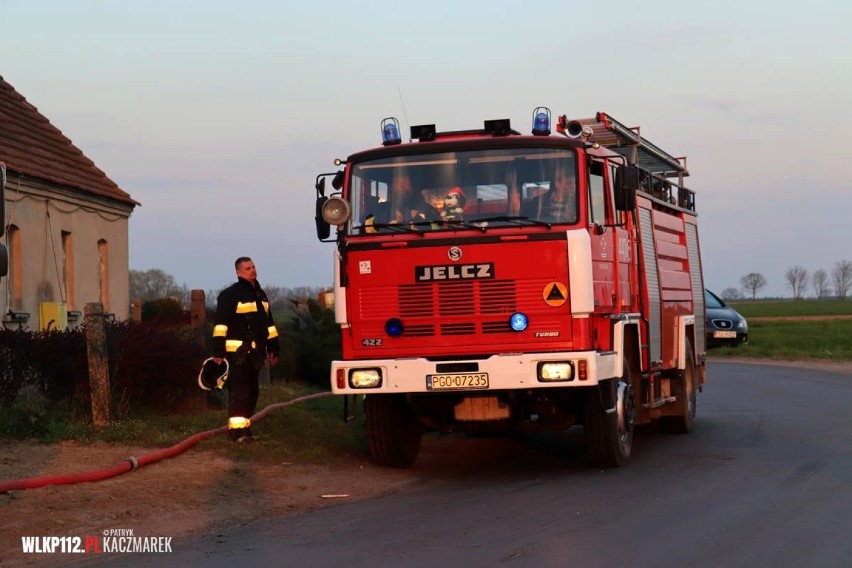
(213, 375)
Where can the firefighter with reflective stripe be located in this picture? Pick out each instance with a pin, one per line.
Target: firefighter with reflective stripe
(244, 333)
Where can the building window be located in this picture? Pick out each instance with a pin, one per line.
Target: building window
(16, 280)
(68, 268)
(103, 253)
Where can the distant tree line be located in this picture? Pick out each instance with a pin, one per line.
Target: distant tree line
(309, 334)
(823, 284)
(155, 284)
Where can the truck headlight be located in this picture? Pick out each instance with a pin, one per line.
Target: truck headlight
(551, 371)
(365, 378)
(336, 211)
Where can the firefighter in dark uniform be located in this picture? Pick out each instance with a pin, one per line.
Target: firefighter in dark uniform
(244, 333)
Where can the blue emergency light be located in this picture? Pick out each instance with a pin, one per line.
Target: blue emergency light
(390, 132)
(518, 321)
(394, 327)
(541, 122)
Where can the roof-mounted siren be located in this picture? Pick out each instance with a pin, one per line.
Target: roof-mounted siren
(541, 122)
(575, 129)
(390, 132)
(423, 132)
(498, 127)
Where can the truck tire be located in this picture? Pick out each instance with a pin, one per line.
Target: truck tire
(393, 432)
(609, 437)
(684, 390)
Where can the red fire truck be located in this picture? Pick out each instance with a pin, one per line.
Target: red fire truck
(488, 280)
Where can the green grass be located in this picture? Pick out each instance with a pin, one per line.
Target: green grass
(307, 432)
(790, 340)
(791, 308)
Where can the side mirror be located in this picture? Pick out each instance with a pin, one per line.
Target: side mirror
(626, 184)
(337, 180)
(323, 228)
(320, 186)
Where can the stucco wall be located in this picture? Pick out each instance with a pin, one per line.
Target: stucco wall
(42, 213)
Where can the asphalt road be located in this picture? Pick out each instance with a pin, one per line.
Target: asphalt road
(764, 480)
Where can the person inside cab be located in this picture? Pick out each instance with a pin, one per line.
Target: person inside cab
(406, 205)
(559, 203)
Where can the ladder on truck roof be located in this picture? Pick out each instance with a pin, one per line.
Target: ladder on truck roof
(627, 141)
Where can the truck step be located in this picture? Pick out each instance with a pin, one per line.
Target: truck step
(659, 402)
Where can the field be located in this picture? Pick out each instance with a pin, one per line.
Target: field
(795, 330)
(790, 308)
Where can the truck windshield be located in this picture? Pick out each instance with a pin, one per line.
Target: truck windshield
(464, 190)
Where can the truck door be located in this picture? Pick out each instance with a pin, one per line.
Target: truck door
(605, 265)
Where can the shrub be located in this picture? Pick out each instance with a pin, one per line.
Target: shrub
(150, 365)
(154, 366)
(164, 310)
(62, 363)
(311, 340)
(16, 364)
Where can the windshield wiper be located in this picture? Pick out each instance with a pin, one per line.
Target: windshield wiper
(396, 227)
(517, 219)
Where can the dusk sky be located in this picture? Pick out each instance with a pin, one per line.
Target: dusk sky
(217, 116)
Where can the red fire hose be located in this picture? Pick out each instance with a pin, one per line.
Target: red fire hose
(132, 463)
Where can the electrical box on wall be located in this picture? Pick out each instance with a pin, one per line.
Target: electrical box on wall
(52, 316)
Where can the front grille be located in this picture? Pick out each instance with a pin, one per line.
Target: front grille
(419, 330)
(723, 324)
(496, 327)
(458, 328)
(456, 308)
(414, 301)
(456, 299)
(496, 297)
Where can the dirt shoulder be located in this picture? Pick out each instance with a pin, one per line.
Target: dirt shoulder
(799, 318)
(197, 492)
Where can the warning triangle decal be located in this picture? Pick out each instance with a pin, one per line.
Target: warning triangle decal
(555, 294)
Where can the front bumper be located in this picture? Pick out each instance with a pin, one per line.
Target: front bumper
(504, 372)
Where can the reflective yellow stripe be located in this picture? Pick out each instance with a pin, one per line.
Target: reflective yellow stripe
(235, 422)
(273, 332)
(246, 307)
(266, 307)
(220, 331)
(232, 345)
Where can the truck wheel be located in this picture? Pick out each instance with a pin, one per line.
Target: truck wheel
(393, 431)
(609, 436)
(685, 392)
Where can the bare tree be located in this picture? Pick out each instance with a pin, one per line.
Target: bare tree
(277, 297)
(842, 276)
(753, 282)
(820, 284)
(797, 280)
(731, 294)
(154, 284)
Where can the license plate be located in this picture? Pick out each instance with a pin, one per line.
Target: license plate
(457, 381)
(725, 334)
